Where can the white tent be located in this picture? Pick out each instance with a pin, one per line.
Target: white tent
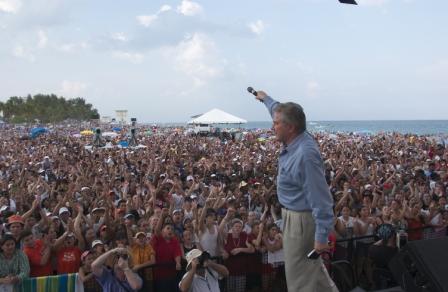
(217, 116)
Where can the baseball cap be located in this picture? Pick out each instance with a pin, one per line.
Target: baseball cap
(63, 210)
(139, 233)
(97, 242)
(177, 211)
(243, 184)
(98, 209)
(15, 219)
(190, 177)
(129, 215)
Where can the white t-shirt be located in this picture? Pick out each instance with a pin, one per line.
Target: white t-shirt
(276, 256)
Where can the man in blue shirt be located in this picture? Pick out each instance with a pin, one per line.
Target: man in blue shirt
(304, 194)
(121, 278)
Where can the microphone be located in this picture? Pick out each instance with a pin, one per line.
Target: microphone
(251, 90)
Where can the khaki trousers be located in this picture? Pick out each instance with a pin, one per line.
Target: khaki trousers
(303, 274)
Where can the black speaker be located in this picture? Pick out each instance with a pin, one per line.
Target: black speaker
(422, 266)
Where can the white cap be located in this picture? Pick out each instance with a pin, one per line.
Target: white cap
(96, 242)
(190, 177)
(98, 209)
(84, 189)
(63, 209)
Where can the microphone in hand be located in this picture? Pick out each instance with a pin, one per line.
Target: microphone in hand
(260, 95)
(251, 90)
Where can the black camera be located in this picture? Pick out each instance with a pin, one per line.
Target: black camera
(205, 256)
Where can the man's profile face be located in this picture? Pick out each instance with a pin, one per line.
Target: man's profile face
(279, 127)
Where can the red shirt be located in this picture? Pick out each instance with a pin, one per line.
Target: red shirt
(68, 260)
(236, 264)
(34, 255)
(415, 224)
(166, 252)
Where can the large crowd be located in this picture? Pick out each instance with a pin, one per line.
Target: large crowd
(109, 212)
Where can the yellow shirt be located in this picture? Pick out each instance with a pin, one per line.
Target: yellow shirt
(141, 255)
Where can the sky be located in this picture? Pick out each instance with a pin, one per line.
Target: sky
(167, 60)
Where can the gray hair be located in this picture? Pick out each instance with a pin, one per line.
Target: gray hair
(293, 114)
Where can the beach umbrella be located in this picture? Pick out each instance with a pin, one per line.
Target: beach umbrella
(86, 133)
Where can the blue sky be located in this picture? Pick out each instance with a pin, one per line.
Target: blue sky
(168, 60)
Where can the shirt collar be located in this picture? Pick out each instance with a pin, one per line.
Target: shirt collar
(294, 143)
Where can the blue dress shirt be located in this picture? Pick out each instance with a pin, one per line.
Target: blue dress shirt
(301, 184)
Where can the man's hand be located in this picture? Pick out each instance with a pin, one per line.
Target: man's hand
(261, 95)
(194, 264)
(235, 251)
(119, 250)
(320, 247)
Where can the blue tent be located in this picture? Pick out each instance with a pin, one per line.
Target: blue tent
(35, 132)
(116, 129)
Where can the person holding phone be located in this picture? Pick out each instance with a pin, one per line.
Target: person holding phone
(304, 194)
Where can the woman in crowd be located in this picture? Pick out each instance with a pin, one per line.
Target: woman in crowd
(14, 266)
(236, 245)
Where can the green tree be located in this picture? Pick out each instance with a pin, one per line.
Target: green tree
(47, 109)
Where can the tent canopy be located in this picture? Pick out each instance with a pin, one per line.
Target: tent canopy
(217, 116)
(37, 131)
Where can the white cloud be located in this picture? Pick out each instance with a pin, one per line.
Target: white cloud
(312, 88)
(73, 47)
(42, 39)
(131, 57)
(10, 6)
(257, 27)
(20, 52)
(146, 20)
(72, 88)
(189, 8)
(164, 8)
(198, 57)
(119, 36)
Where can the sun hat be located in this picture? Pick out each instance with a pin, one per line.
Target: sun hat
(191, 255)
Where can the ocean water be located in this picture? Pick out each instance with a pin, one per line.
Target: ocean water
(404, 127)
(434, 127)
